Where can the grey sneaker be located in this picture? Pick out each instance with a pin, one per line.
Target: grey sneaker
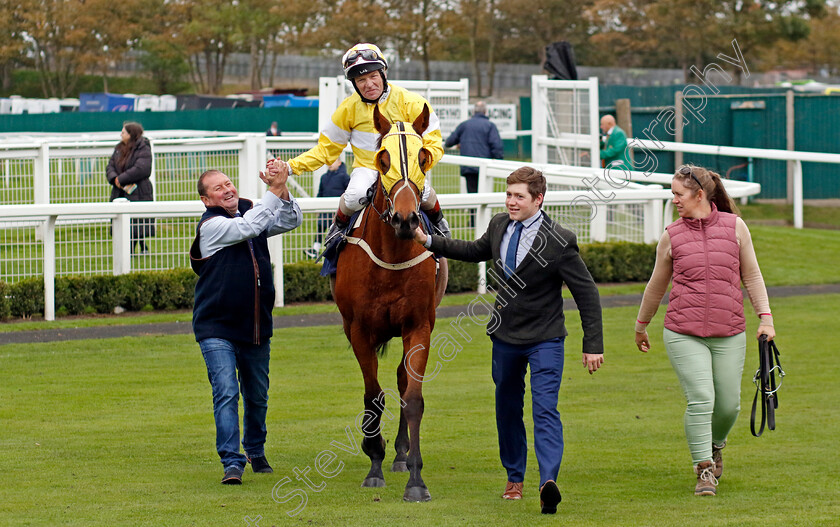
(706, 480)
(260, 464)
(718, 459)
(233, 475)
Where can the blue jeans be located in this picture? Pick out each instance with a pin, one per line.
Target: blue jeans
(223, 358)
(510, 362)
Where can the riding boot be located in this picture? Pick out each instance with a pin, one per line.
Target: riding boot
(441, 226)
(340, 223)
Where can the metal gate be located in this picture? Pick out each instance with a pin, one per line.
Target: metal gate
(564, 122)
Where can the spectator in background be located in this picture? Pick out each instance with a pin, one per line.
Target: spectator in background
(614, 145)
(273, 130)
(477, 137)
(333, 184)
(128, 172)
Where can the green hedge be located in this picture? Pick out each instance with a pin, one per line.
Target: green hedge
(173, 289)
(619, 261)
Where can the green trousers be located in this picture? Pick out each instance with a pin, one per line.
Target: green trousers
(709, 370)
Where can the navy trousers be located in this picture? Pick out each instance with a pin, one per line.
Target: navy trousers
(510, 362)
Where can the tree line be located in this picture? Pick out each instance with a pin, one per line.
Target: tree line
(192, 39)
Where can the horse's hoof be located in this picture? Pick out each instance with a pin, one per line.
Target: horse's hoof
(399, 466)
(417, 494)
(373, 482)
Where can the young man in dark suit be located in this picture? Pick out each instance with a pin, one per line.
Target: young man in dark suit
(533, 257)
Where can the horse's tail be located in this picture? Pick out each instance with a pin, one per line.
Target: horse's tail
(382, 349)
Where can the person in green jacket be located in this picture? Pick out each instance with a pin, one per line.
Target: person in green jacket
(615, 145)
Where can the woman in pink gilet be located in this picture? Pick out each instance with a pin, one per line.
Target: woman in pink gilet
(708, 253)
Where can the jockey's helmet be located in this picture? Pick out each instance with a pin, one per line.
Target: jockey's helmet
(361, 59)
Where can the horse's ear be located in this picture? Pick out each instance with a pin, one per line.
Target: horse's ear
(422, 122)
(382, 161)
(424, 158)
(380, 122)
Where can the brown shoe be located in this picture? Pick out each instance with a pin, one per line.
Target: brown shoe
(513, 491)
(706, 480)
(549, 497)
(718, 459)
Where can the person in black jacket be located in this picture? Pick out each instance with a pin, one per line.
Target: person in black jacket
(234, 296)
(477, 137)
(533, 257)
(128, 172)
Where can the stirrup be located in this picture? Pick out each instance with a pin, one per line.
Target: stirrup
(334, 232)
(442, 228)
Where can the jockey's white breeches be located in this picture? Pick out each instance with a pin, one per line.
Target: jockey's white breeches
(361, 179)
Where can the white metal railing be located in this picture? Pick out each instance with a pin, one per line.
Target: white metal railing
(759, 153)
(52, 228)
(81, 233)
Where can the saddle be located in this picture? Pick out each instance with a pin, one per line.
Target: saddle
(334, 246)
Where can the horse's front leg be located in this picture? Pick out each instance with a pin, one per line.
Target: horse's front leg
(401, 444)
(372, 444)
(416, 344)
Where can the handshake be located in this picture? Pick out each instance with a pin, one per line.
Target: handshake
(275, 176)
(276, 173)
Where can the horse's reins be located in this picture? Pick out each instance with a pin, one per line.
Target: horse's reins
(388, 213)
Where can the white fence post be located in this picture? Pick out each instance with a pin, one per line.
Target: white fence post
(653, 220)
(251, 161)
(482, 221)
(41, 174)
(41, 182)
(539, 128)
(49, 268)
(598, 227)
(797, 195)
(275, 251)
(594, 125)
(121, 244)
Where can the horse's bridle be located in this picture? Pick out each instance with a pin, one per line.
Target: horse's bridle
(402, 133)
(388, 213)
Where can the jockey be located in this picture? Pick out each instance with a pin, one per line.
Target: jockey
(365, 67)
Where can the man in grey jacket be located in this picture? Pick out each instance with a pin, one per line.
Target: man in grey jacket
(533, 257)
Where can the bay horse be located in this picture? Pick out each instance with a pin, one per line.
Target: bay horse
(385, 287)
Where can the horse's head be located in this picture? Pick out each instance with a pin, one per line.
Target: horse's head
(402, 163)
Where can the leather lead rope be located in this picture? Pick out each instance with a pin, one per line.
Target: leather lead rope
(765, 383)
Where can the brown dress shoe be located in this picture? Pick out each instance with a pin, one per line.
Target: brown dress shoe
(513, 491)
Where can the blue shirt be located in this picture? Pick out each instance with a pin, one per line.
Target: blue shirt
(272, 214)
(526, 239)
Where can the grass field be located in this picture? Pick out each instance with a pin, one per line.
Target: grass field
(120, 432)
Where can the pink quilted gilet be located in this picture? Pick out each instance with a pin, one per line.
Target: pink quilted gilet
(705, 299)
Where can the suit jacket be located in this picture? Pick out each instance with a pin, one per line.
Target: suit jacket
(529, 305)
(615, 149)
